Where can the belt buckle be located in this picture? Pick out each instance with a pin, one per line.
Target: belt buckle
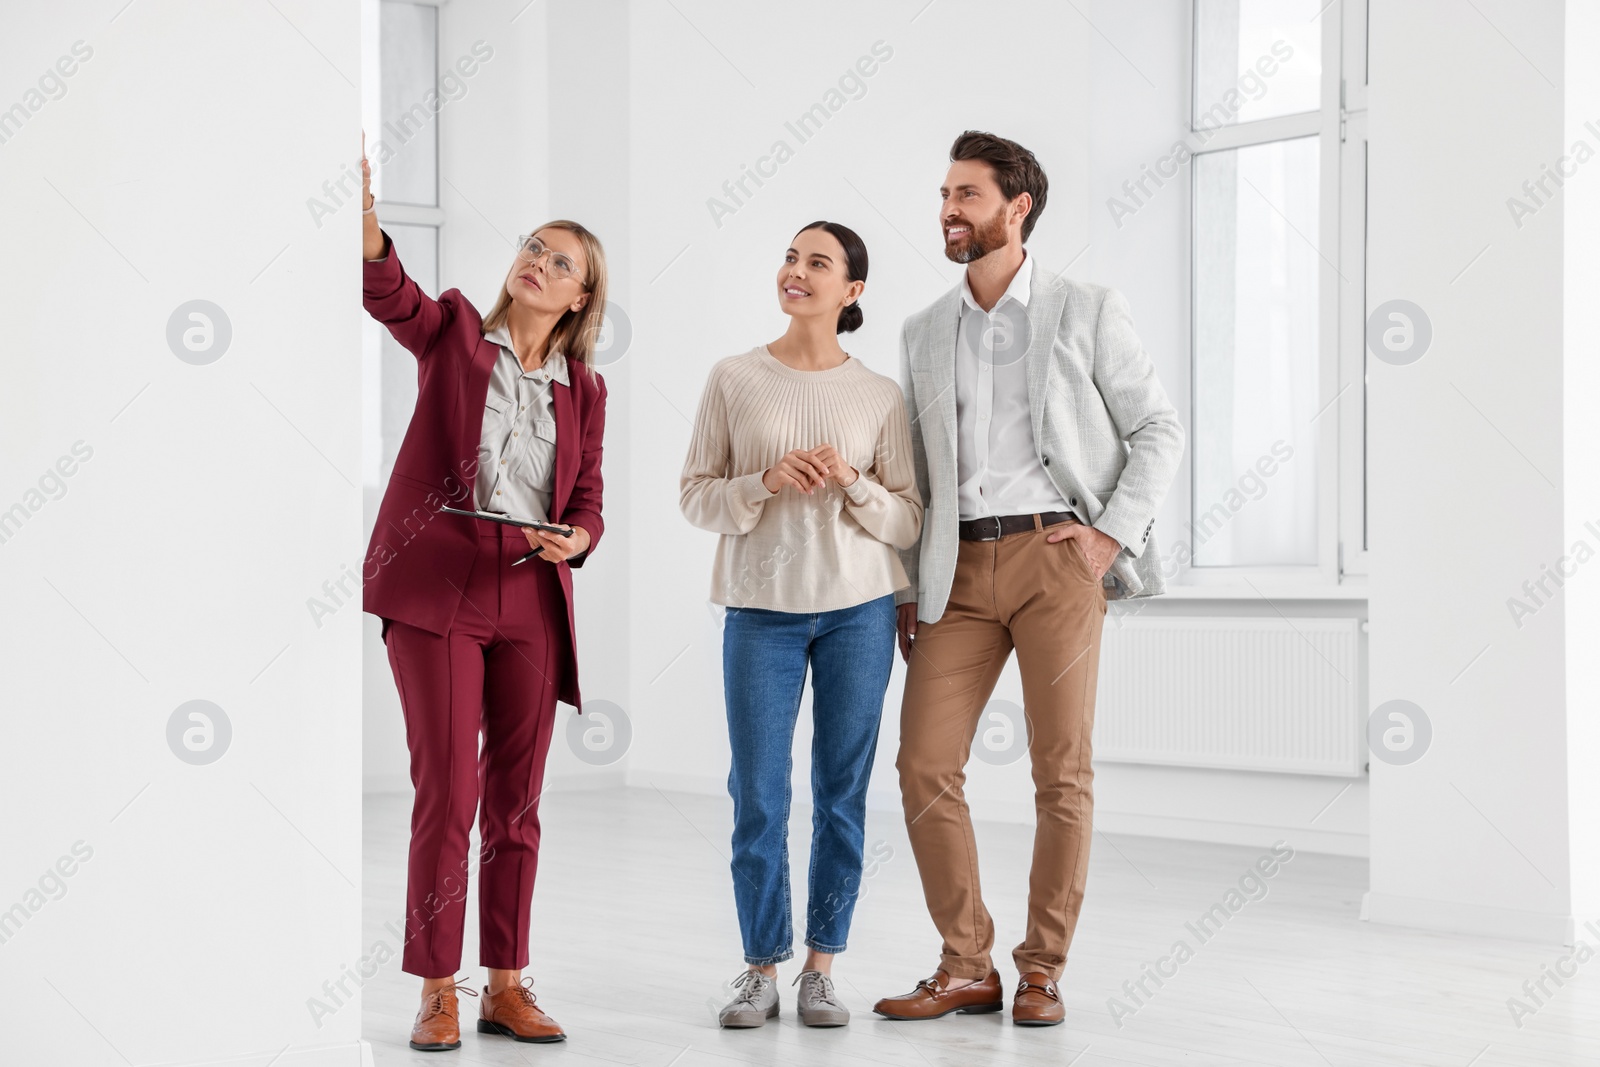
(997, 528)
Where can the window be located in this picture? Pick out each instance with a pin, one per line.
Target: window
(1255, 355)
(1277, 293)
(403, 145)
(408, 71)
(1268, 52)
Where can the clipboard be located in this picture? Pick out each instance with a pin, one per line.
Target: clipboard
(494, 516)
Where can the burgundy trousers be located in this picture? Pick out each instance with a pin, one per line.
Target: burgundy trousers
(496, 671)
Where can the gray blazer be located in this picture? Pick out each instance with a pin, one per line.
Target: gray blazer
(1105, 431)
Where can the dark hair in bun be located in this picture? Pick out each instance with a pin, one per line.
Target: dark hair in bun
(855, 268)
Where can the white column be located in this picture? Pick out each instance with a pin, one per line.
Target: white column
(1581, 427)
(1478, 483)
(179, 470)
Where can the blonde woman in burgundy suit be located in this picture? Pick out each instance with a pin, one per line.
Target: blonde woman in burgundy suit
(509, 418)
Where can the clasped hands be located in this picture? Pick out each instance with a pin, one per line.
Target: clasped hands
(808, 469)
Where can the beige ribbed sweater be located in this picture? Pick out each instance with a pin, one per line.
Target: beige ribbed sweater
(788, 551)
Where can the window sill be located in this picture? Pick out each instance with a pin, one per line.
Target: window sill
(1273, 591)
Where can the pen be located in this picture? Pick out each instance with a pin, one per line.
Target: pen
(538, 550)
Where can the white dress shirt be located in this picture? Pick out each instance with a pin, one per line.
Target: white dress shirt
(997, 467)
(517, 446)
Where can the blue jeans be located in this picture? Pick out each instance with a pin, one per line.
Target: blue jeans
(765, 655)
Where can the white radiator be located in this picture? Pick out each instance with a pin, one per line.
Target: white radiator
(1263, 694)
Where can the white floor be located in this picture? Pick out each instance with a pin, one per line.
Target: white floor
(634, 938)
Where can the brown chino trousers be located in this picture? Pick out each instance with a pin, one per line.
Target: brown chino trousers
(1042, 599)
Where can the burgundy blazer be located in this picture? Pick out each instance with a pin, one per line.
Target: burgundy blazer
(418, 560)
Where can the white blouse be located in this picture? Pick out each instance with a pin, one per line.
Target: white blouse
(517, 446)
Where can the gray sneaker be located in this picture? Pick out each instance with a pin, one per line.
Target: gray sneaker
(755, 1002)
(817, 1003)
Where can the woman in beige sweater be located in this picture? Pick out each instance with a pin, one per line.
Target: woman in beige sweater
(801, 460)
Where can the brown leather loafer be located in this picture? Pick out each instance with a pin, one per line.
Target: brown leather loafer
(513, 1013)
(932, 999)
(1038, 1002)
(437, 1028)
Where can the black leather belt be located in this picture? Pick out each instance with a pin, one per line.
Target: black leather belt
(994, 527)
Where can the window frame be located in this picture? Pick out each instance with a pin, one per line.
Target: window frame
(1340, 430)
(1353, 303)
(393, 213)
(423, 214)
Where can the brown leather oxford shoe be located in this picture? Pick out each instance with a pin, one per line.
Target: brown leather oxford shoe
(932, 999)
(513, 1013)
(1038, 1002)
(437, 1028)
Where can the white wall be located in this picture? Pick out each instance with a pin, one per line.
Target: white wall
(617, 136)
(703, 292)
(1581, 395)
(624, 145)
(494, 185)
(540, 134)
(176, 166)
(1477, 481)
(589, 154)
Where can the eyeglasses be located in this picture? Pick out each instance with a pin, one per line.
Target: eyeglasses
(532, 249)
